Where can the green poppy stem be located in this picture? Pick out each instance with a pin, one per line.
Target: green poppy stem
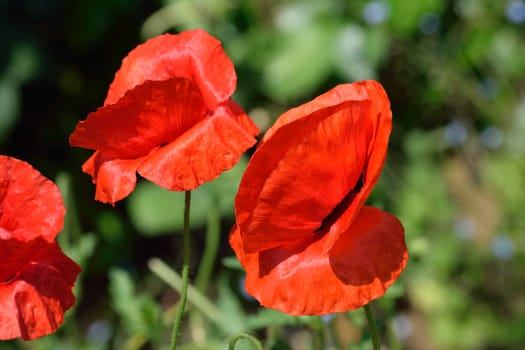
(255, 342)
(372, 327)
(211, 248)
(185, 270)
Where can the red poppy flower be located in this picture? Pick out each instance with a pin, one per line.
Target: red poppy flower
(307, 243)
(169, 116)
(36, 278)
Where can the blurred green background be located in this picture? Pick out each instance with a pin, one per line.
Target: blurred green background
(455, 176)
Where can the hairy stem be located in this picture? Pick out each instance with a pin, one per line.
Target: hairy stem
(185, 270)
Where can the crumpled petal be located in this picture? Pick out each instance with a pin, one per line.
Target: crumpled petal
(31, 205)
(165, 133)
(318, 153)
(192, 54)
(115, 179)
(147, 117)
(301, 279)
(212, 146)
(36, 282)
(165, 90)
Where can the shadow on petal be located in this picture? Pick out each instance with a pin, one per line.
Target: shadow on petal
(373, 248)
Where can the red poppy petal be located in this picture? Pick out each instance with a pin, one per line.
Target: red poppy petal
(115, 179)
(358, 91)
(288, 194)
(147, 117)
(377, 149)
(301, 279)
(91, 165)
(31, 205)
(203, 152)
(192, 54)
(310, 161)
(33, 301)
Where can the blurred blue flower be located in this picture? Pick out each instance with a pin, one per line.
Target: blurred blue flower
(402, 326)
(455, 133)
(491, 137)
(465, 228)
(99, 332)
(375, 12)
(502, 247)
(515, 11)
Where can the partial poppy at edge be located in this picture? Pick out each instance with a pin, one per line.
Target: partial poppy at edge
(302, 234)
(31, 205)
(36, 278)
(36, 288)
(168, 116)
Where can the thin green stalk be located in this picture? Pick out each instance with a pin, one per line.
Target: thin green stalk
(213, 233)
(255, 342)
(185, 270)
(372, 327)
(164, 272)
(203, 276)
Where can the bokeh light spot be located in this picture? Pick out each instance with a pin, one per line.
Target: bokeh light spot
(515, 11)
(375, 12)
(502, 247)
(402, 326)
(492, 137)
(455, 133)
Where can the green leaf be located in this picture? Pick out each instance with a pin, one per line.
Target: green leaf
(406, 15)
(506, 52)
(229, 305)
(224, 189)
(357, 52)
(269, 317)
(156, 211)
(232, 262)
(10, 102)
(209, 344)
(301, 62)
(297, 57)
(110, 226)
(140, 314)
(83, 248)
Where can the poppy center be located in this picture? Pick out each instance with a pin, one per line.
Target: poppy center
(342, 206)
